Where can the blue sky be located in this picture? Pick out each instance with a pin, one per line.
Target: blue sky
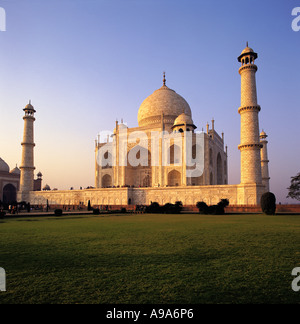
(84, 63)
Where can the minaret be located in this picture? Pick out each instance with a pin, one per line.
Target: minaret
(250, 144)
(27, 167)
(265, 161)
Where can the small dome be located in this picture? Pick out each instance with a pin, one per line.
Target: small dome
(47, 188)
(247, 50)
(3, 166)
(39, 175)
(263, 135)
(183, 119)
(16, 170)
(29, 107)
(163, 101)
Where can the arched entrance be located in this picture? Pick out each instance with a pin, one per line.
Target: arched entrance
(138, 172)
(9, 194)
(174, 178)
(174, 155)
(106, 181)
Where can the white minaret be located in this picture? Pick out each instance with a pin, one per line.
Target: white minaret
(265, 161)
(27, 167)
(250, 142)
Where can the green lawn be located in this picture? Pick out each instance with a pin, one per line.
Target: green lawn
(150, 259)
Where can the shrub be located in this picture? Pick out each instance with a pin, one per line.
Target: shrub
(154, 208)
(123, 210)
(96, 211)
(58, 212)
(2, 214)
(223, 203)
(218, 209)
(202, 206)
(167, 208)
(178, 207)
(268, 203)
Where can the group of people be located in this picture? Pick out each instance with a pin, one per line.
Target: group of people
(12, 209)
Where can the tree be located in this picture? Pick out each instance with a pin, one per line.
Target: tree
(268, 203)
(294, 189)
(202, 206)
(89, 206)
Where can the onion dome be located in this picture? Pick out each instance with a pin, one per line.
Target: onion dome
(183, 123)
(183, 119)
(163, 101)
(3, 166)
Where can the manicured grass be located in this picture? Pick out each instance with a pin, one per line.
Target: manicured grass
(150, 259)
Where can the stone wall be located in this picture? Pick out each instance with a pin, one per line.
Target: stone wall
(237, 195)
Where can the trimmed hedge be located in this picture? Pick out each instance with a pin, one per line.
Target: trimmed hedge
(96, 211)
(168, 208)
(58, 212)
(268, 203)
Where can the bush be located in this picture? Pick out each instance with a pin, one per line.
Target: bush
(58, 212)
(2, 214)
(154, 208)
(123, 210)
(178, 207)
(203, 208)
(218, 209)
(223, 203)
(167, 209)
(96, 211)
(268, 203)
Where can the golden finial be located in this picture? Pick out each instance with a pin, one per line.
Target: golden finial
(164, 80)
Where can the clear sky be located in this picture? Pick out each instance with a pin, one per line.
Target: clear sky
(85, 63)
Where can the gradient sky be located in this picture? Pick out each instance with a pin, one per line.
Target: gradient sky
(85, 63)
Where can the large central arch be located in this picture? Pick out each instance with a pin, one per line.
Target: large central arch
(9, 194)
(138, 172)
(106, 181)
(174, 178)
(174, 155)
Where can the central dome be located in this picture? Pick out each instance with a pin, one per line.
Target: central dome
(163, 101)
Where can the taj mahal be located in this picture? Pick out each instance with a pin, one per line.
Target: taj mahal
(165, 159)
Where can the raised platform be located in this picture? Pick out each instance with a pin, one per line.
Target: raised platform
(246, 194)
